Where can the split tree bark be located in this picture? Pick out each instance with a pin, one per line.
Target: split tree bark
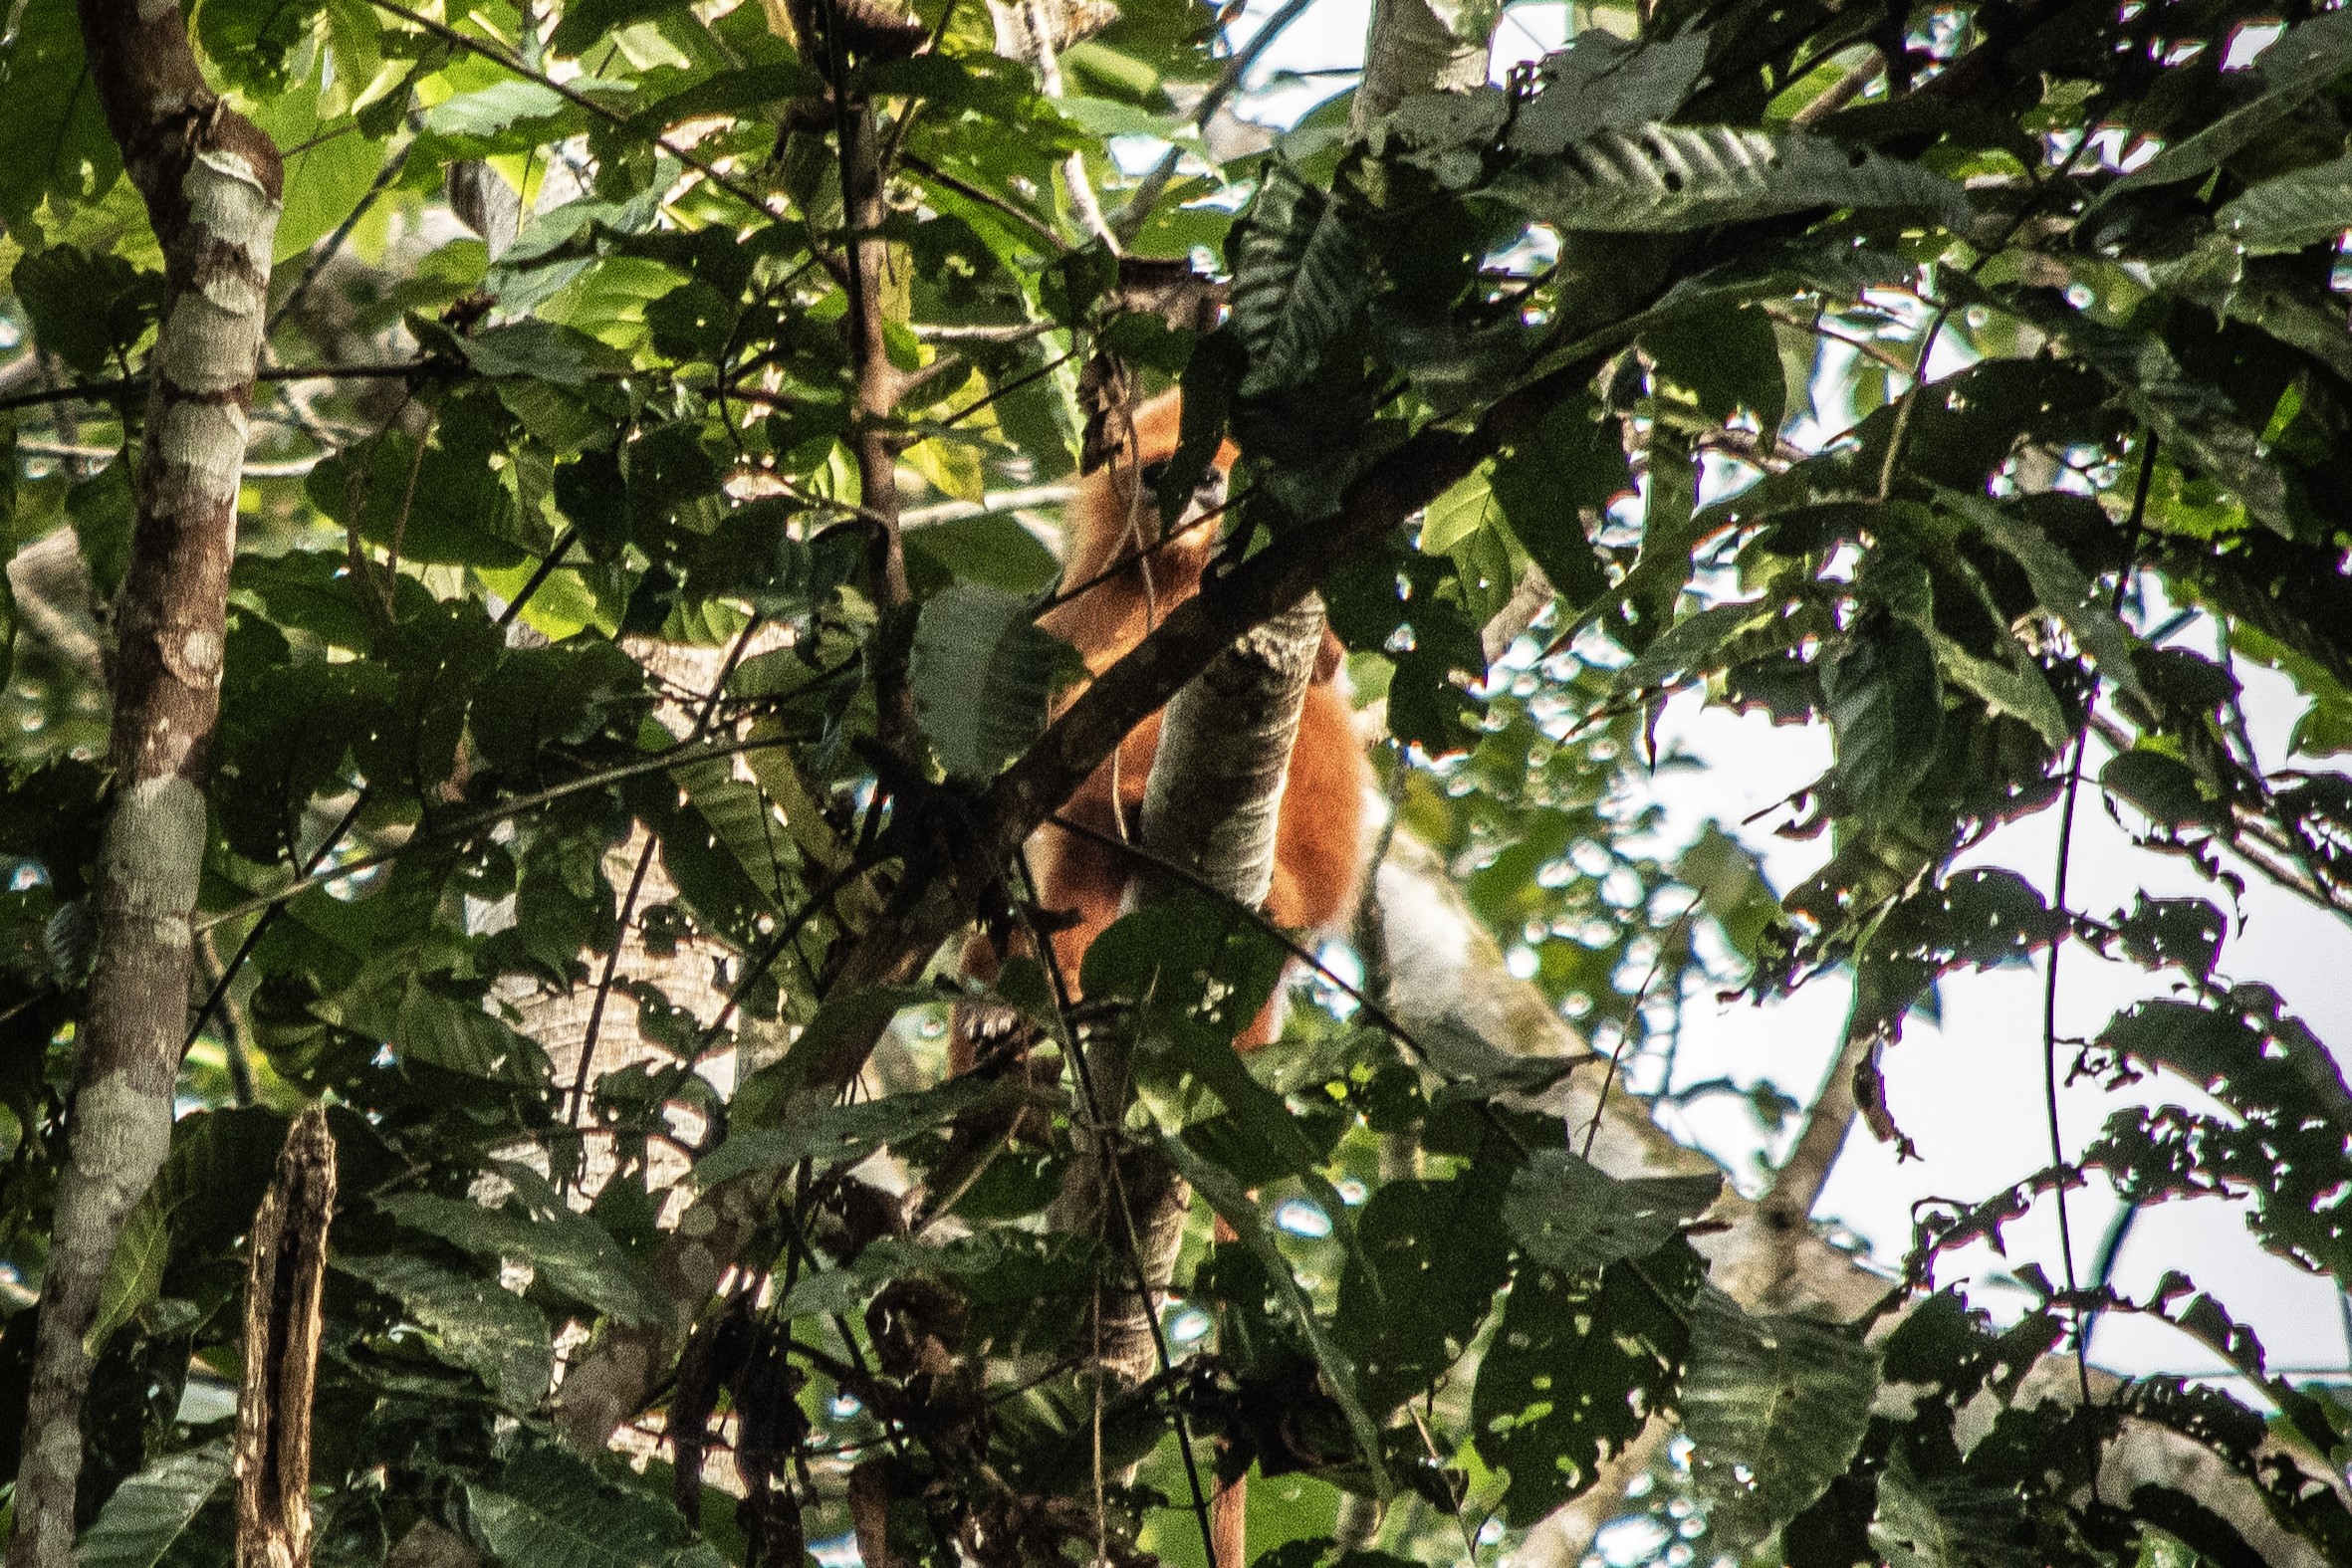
(211, 182)
(283, 1289)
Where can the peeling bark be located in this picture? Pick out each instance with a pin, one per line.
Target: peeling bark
(211, 182)
(282, 1328)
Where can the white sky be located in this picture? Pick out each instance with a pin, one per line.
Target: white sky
(1967, 1093)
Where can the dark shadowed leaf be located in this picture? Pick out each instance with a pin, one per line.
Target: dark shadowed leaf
(1568, 1215)
(1777, 1407)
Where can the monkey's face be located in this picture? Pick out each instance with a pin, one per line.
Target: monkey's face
(1206, 501)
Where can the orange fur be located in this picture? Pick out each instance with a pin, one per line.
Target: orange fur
(1318, 839)
(1115, 535)
(1129, 577)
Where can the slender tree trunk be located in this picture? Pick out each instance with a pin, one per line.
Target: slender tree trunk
(1421, 46)
(211, 182)
(1211, 805)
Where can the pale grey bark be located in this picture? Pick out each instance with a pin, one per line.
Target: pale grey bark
(211, 183)
(1215, 796)
(1210, 807)
(1421, 46)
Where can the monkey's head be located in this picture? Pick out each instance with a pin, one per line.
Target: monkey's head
(1128, 483)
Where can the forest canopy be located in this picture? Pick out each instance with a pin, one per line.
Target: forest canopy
(523, 659)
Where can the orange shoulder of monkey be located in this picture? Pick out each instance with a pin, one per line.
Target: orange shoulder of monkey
(1123, 572)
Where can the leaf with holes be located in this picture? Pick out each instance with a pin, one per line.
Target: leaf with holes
(1777, 1407)
(2304, 59)
(1577, 1367)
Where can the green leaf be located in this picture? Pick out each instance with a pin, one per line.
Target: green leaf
(2186, 932)
(2163, 789)
(2291, 211)
(481, 1326)
(542, 350)
(2011, 684)
(1601, 82)
(457, 1034)
(568, 1249)
(1460, 512)
(203, 1194)
(559, 695)
(1557, 483)
(1670, 179)
(1580, 1364)
(2306, 57)
(87, 310)
(844, 1134)
(1949, 1521)
(1568, 1215)
(248, 40)
(1422, 1278)
(722, 843)
(1777, 1407)
(549, 1509)
(1885, 706)
(135, 1273)
(149, 1511)
(983, 676)
(2079, 605)
(1728, 357)
(49, 121)
(1301, 279)
(1704, 642)
(1230, 1200)
(491, 109)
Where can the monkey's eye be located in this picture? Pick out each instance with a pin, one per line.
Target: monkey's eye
(1153, 473)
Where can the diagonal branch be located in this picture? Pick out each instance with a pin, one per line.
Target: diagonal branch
(945, 880)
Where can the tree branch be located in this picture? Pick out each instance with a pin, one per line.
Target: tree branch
(944, 881)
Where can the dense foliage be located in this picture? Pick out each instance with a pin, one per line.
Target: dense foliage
(558, 629)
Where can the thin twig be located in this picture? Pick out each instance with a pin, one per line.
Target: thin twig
(1117, 1195)
(336, 241)
(455, 832)
(1128, 221)
(971, 193)
(117, 387)
(499, 57)
(1642, 999)
(2049, 987)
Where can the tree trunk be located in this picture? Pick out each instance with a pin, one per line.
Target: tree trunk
(1210, 805)
(1420, 46)
(211, 182)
